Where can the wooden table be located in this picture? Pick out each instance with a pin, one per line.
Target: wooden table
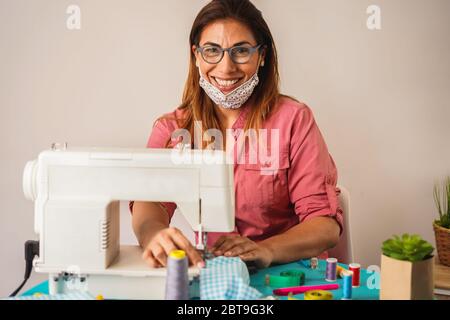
(442, 281)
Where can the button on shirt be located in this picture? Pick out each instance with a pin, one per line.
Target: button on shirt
(270, 199)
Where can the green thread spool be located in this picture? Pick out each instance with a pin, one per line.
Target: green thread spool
(290, 278)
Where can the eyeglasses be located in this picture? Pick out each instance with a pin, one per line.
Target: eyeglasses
(238, 54)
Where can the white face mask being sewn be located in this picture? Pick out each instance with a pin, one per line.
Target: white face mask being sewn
(233, 100)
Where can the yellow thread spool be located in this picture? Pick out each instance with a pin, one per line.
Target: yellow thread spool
(318, 295)
(339, 271)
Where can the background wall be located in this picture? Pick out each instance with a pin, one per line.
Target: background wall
(381, 98)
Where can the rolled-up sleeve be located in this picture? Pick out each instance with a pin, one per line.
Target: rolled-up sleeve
(312, 175)
(158, 139)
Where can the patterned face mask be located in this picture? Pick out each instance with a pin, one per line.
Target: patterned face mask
(233, 100)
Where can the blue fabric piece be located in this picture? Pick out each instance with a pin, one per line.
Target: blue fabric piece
(226, 279)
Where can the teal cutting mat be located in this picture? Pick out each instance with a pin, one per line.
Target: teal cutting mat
(315, 277)
(312, 277)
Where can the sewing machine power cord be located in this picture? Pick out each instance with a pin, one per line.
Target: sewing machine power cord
(31, 250)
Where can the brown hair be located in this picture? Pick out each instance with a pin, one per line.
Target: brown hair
(197, 106)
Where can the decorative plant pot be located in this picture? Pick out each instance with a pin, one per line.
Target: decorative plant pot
(405, 280)
(442, 236)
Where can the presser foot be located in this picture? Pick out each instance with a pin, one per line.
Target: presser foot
(207, 255)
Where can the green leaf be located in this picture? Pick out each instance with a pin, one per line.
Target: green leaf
(398, 256)
(407, 247)
(441, 195)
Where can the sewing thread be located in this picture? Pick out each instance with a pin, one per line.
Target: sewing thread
(331, 269)
(347, 277)
(177, 280)
(356, 269)
(314, 263)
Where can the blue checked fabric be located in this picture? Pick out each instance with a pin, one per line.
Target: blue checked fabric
(226, 279)
(75, 295)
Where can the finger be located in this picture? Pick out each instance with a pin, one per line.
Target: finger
(240, 249)
(167, 243)
(249, 256)
(150, 259)
(255, 257)
(183, 243)
(159, 254)
(221, 242)
(223, 239)
(218, 243)
(231, 243)
(194, 256)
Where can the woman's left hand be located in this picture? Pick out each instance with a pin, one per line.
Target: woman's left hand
(244, 248)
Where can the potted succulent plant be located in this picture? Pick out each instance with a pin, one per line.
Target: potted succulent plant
(407, 269)
(442, 225)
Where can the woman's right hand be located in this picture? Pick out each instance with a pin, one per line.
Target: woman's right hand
(165, 241)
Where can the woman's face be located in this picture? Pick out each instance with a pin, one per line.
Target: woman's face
(227, 75)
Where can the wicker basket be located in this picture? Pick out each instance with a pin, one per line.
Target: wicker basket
(443, 244)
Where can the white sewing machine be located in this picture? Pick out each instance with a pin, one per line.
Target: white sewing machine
(77, 192)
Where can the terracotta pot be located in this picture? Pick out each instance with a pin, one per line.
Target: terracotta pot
(405, 280)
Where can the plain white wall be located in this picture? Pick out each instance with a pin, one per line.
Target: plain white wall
(381, 98)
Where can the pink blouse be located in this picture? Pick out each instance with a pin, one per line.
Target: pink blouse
(302, 187)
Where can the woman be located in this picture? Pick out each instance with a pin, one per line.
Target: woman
(233, 85)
